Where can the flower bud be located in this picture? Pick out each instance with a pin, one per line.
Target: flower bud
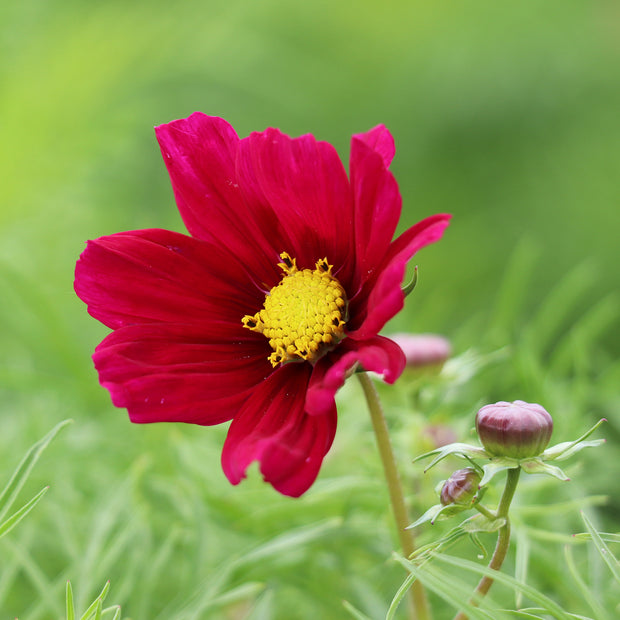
(518, 430)
(423, 349)
(461, 487)
(437, 435)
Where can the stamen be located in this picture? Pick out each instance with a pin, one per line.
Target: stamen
(304, 315)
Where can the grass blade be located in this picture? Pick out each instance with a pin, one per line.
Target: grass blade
(355, 613)
(16, 517)
(70, 605)
(453, 591)
(117, 613)
(531, 610)
(521, 565)
(603, 549)
(550, 606)
(398, 597)
(14, 485)
(96, 604)
(586, 592)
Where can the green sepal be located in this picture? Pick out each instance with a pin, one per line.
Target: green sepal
(538, 466)
(464, 450)
(480, 523)
(408, 288)
(593, 443)
(469, 527)
(497, 464)
(434, 512)
(566, 449)
(475, 540)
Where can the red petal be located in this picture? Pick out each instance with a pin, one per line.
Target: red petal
(200, 153)
(273, 428)
(379, 139)
(303, 183)
(181, 373)
(382, 297)
(377, 205)
(378, 354)
(425, 232)
(158, 275)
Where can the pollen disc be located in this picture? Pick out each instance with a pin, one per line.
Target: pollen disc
(304, 315)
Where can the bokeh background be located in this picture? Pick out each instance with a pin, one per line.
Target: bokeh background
(506, 115)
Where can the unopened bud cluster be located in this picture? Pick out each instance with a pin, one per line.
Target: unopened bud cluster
(513, 435)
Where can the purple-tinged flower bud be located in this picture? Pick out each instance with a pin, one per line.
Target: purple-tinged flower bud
(438, 435)
(460, 488)
(423, 349)
(518, 430)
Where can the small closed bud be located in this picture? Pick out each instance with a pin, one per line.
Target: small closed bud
(437, 435)
(460, 488)
(423, 349)
(518, 430)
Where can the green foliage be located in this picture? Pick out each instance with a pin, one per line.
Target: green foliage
(7, 498)
(606, 554)
(95, 610)
(17, 481)
(148, 508)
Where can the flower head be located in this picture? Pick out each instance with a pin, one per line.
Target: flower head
(261, 313)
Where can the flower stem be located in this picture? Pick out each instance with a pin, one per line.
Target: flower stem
(487, 513)
(419, 608)
(503, 539)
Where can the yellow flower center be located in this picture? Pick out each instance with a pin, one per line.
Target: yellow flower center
(303, 315)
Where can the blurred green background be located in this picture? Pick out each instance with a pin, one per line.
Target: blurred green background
(504, 114)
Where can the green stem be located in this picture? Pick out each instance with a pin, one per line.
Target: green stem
(503, 539)
(419, 608)
(487, 513)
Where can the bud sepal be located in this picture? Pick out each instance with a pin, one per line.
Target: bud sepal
(471, 527)
(463, 450)
(566, 449)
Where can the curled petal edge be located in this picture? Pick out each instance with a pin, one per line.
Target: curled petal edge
(379, 354)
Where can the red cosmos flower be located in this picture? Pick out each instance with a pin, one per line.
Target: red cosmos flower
(280, 291)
